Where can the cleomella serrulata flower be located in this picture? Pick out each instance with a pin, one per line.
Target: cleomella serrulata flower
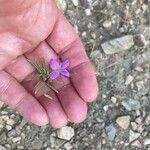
(47, 72)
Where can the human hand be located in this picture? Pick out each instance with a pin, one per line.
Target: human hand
(36, 29)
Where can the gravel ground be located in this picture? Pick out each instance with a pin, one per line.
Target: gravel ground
(116, 36)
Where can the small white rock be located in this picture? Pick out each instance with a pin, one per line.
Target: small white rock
(16, 139)
(88, 12)
(133, 135)
(129, 79)
(62, 4)
(65, 133)
(10, 122)
(136, 144)
(75, 2)
(147, 142)
(113, 99)
(2, 148)
(1, 104)
(105, 108)
(134, 125)
(107, 24)
(123, 121)
(68, 146)
(8, 127)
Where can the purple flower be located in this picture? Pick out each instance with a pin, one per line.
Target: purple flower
(59, 69)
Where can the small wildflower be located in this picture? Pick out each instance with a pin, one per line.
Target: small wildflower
(59, 69)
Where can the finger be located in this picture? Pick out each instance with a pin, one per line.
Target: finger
(75, 107)
(67, 44)
(13, 94)
(72, 103)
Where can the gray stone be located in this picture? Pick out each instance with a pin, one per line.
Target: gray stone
(140, 41)
(2, 148)
(68, 146)
(107, 24)
(111, 132)
(123, 121)
(117, 45)
(85, 3)
(62, 4)
(65, 133)
(136, 144)
(131, 104)
(133, 135)
(129, 79)
(52, 141)
(1, 104)
(16, 139)
(75, 2)
(147, 141)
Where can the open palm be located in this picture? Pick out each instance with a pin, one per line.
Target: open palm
(36, 29)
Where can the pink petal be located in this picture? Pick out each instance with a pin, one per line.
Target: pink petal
(65, 64)
(54, 64)
(54, 75)
(65, 73)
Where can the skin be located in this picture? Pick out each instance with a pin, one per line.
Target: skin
(37, 29)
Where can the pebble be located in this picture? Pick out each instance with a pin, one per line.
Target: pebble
(133, 135)
(113, 99)
(85, 3)
(75, 2)
(147, 141)
(123, 121)
(136, 144)
(62, 4)
(65, 133)
(68, 146)
(140, 41)
(129, 79)
(16, 139)
(52, 141)
(117, 45)
(88, 12)
(111, 132)
(105, 108)
(139, 120)
(8, 127)
(134, 125)
(131, 104)
(1, 104)
(107, 24)
(2, 148)
(147, 121)
(10, 122)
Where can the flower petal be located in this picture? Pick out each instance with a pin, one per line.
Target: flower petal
(65, 73)
(54, 74)
(65, 64)
(54, 64)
